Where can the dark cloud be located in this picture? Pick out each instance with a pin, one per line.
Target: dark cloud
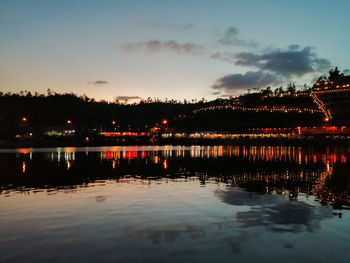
(249, 80)
(294, 61)
(274, 66)
(230, 37)
(126, 98)
(167, 46)
(99, 82)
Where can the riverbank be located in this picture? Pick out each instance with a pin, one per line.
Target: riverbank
(73, 142)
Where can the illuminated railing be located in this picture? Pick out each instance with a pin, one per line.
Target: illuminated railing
(259, 133)
(331, 90)
(201, 135)
(122, 134)
(321, 106)
(262, 108)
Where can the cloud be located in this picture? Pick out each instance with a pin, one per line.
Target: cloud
(293, 61)
(178, 27)
(275, 66)
(249, 80)
(182, 27)
(230, 37)
(167, 46)
(230, 33)
(224, 56)
(99, 82)
(126, 98)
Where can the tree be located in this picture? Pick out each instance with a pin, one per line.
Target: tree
(291, 88)
(266, 92)
(278, 91)
(334, 74)
(306, 88)
(49, 92)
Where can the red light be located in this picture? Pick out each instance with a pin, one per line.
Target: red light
(24, 119)
(69, 122)
(326, 119)
(165, 121)
(113, 122)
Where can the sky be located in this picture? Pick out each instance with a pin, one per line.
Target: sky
(169, 49)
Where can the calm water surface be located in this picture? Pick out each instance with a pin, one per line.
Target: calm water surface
(175, 204)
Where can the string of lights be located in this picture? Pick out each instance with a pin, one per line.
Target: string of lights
(321, 107)
(326, 90)
(262, 108)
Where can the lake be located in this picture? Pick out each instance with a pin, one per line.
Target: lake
(175, 204)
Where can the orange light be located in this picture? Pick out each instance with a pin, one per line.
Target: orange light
(113, 122)
(23, 150)
(326, 119)
(165, 121)
(23, 167)
(24, 119)
(69, 122)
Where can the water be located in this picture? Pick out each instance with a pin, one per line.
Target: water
(175, 204)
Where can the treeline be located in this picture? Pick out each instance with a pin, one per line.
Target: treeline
(54, 110)
(117, 100)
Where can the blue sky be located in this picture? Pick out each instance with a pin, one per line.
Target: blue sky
(174, 49)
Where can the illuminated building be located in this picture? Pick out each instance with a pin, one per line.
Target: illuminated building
(59, 132)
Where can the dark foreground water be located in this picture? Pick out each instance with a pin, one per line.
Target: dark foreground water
(175, 204)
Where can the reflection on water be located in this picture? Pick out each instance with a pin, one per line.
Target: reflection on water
(283, 170)
(275, 214)
(175, 204)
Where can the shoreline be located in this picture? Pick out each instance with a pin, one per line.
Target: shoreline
(313, 142)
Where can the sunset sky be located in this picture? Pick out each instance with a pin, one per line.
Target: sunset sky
(169, 49)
